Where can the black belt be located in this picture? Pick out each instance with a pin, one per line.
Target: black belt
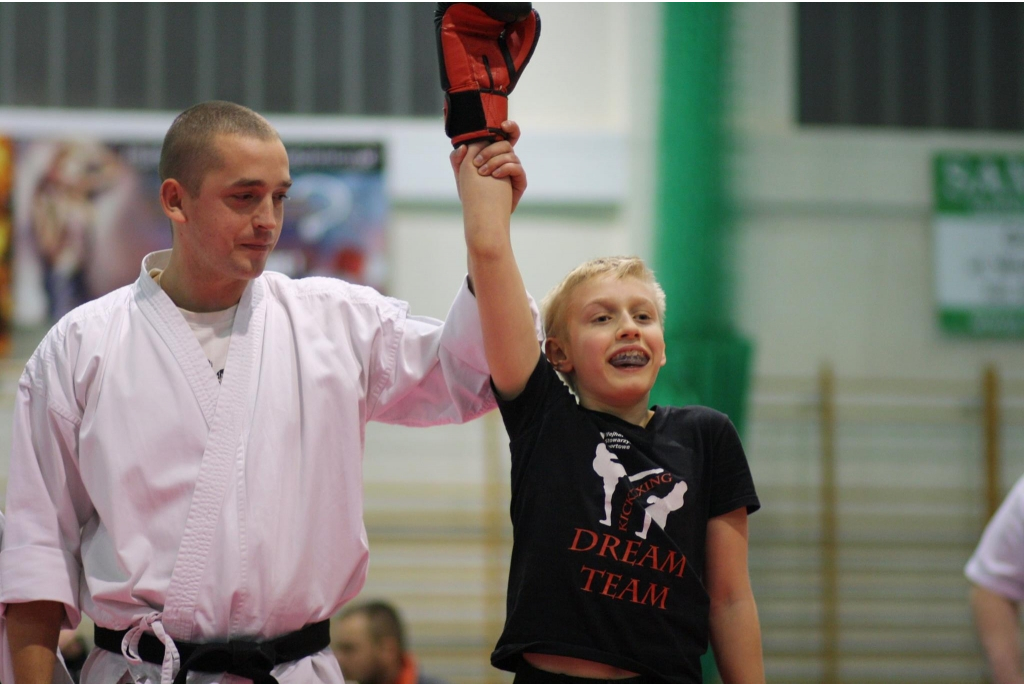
(252, 660)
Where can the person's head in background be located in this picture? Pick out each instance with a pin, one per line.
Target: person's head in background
(369, 641)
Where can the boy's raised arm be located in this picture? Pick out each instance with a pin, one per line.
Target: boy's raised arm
(487, 193)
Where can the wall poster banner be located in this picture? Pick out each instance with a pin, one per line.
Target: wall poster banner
(978, 226)
(86, 212)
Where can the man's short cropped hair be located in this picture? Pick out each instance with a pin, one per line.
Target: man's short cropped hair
(383, 621)
(555, 302)
(188, 153)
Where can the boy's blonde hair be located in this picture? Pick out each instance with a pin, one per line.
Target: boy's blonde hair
(554, 303)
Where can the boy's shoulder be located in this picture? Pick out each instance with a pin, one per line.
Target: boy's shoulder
(694, 413)
(692, 420)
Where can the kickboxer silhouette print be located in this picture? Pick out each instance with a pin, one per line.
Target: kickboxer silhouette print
(608, 467)
(660, 507)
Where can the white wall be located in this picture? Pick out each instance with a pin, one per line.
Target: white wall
(834, 244)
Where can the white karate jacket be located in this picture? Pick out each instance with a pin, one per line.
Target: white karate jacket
(147, 495)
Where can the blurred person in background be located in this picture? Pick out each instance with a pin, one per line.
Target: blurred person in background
(75, 651)
(63, 220)
(996, 572)
(83, 220)
(369, 642)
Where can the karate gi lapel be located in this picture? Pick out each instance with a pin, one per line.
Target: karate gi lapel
(161, 313)
(230, 421)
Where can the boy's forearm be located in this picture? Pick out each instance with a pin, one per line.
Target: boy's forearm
(510, 340)
(33, 629)
(486, 221)
(736, 640)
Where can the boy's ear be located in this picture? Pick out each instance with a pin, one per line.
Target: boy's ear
(557, 355)
(172, 196)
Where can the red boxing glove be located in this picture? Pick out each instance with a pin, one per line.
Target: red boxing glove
(482, 48)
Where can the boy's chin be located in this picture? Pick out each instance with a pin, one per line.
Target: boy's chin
(641, 384)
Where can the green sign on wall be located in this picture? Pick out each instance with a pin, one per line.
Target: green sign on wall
(979, 244)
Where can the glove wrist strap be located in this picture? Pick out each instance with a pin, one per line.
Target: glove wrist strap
(467, 114)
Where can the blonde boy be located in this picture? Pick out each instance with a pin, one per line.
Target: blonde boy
(630, 521)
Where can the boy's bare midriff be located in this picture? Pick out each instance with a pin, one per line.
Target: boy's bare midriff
(580, 668)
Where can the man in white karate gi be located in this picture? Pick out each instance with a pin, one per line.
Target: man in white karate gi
(187, 456)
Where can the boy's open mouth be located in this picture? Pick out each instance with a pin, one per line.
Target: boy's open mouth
(629, 358)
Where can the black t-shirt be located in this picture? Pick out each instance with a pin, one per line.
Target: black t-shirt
(609, 525)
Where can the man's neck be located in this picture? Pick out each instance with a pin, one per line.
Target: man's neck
(195, 294)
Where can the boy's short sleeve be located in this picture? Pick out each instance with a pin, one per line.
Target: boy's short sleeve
(732, 486)
(521, 412)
